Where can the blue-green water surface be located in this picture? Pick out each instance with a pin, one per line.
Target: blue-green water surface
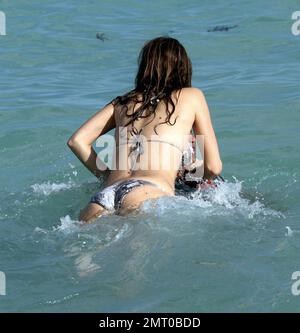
(230, 252)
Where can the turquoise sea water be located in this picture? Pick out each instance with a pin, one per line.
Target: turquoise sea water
(229, 252)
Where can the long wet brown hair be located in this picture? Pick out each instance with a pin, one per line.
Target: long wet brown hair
(163, 67)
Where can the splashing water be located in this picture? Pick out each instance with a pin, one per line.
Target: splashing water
(47, 188)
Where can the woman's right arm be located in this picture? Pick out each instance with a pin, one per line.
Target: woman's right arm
(203, 127)
(81, 141)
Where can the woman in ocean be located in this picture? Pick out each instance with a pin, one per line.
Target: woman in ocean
(152, 125)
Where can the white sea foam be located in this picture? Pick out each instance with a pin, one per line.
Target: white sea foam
(290, 232)
(48, 188)
(230, 196)
(40, 230)
(65, 298)
(67, 224)
(226, 199)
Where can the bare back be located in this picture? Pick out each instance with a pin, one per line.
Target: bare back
(161, 158)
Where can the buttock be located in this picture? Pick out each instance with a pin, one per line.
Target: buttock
(111, 198)
(140, 194)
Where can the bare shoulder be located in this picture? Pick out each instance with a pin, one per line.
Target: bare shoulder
(193, 93)
(193, 97)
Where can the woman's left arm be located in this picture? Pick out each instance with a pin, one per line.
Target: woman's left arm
(82, 140)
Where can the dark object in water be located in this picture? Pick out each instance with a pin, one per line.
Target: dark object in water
(222, 28)
(187, 186)
(101, 36)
